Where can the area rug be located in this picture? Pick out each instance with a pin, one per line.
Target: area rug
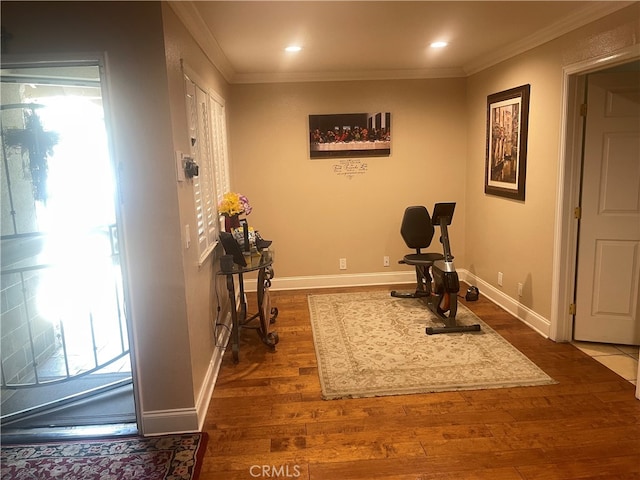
(167, 457)
(372, 344)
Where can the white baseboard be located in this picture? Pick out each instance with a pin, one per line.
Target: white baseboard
(520, 311)
(162, 422)
(534, 320)
(343, 280)
(203, 400)
(189, 420)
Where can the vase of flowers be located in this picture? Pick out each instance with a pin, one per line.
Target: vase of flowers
(231, 207)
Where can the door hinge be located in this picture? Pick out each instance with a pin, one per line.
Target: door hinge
(572, 309)
(577, 213)
(583, 110)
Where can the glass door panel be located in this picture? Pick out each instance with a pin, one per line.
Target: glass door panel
(63, 326)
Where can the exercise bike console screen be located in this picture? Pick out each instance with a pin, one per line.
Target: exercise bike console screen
(442, 211)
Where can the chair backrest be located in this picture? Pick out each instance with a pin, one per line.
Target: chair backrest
(416, 229)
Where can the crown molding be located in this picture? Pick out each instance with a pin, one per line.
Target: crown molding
(297, 77)
(187, 13)
(582, 17)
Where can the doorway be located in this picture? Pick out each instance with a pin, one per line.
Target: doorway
(608, 260)
(568, 187)
(65, 358)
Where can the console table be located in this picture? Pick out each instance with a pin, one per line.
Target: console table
(263, 263)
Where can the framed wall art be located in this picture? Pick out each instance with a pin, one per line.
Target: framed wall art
(344, 135)
(506, 156)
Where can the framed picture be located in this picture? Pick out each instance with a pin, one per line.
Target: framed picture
(507, 126)
(344, 135)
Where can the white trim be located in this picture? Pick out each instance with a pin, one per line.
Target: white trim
(566, 226)
(188, 420)
(565, 229)
(163, 422)
(204, 399)
(299, 77)
(592, 12)
(344, 280)
(523, 313)
(188, 14)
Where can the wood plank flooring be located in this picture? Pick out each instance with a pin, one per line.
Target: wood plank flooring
(267, 419)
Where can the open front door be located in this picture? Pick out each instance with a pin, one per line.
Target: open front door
(65, 358)
(607, 293)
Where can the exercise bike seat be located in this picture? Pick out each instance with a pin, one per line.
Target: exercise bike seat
(417, 232)
(422, 259)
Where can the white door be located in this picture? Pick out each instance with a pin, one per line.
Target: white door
(609, 247)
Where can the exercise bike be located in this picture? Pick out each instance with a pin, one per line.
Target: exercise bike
(437, 279)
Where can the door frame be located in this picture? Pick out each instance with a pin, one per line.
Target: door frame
(100, 59)
(565, 246)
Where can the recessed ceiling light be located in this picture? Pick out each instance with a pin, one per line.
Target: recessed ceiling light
(293, 48)
(439, 44)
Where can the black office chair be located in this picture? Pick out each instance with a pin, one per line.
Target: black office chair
(417, 232)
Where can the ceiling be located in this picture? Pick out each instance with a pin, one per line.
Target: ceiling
(374, 39)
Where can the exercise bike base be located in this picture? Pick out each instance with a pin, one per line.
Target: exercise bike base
(452, 329)
(416, 294)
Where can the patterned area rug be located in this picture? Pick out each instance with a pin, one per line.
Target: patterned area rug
(372, 344)
(167, 457)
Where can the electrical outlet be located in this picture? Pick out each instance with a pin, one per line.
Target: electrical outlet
(343, 264)
(500, 279)
(385, 261)
(519, 289)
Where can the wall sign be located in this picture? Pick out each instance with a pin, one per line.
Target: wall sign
(349, 168)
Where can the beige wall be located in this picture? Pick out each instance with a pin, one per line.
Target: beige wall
(200, 281)
(515, 237)
(316, 216)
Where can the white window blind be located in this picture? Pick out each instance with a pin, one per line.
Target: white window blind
(208, 147)
(221, 163)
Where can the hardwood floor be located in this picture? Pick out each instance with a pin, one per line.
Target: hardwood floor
(267, 419)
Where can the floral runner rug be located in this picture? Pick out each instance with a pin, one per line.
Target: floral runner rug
(371, 344)
(167, 457)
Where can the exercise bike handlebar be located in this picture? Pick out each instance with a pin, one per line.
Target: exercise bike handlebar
(444, 239)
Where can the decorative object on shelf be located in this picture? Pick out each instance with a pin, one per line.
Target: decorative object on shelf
(231, 207)
(507, 131)
(239, 235)
(231, 222)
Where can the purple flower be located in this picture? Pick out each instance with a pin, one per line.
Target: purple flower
(245, 204)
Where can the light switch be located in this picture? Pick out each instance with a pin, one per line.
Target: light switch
(179, 167)
(187, 236)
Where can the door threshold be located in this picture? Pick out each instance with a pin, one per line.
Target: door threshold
(45, 434)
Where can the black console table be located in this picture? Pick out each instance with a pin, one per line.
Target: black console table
(263, 263)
